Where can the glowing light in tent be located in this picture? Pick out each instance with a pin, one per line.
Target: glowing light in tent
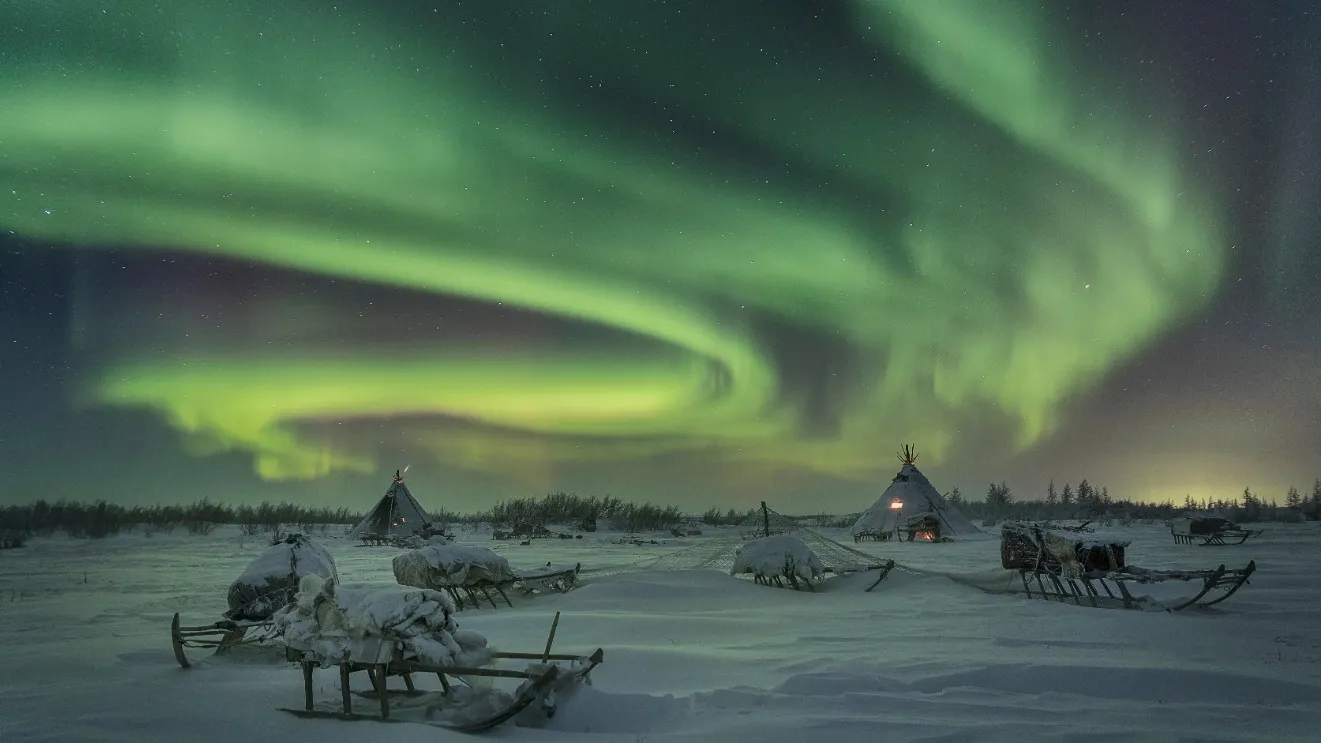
(895, 505)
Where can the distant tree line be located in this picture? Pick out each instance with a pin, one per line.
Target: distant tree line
(102, 519)
(577, 510)
(1083, 501)
(716, 517)
(1086, 501)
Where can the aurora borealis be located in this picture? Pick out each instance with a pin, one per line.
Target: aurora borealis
(544, 246)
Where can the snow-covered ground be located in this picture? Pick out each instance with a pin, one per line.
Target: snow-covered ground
(694, 656)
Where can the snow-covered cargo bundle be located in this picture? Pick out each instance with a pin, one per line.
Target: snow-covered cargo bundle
(330, 623)
(1071, 549)
(271, 580)
(1077, 565)
(776, 558)
(457, 570)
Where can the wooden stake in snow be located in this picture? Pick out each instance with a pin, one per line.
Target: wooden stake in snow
(545, 656)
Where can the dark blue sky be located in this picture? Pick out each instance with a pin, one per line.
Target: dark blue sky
(1222, 397)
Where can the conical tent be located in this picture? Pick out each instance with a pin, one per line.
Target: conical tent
(397, 514)
(910, 500)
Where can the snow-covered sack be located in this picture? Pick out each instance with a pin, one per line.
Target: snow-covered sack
(332, 623)
(441, 564)
(271, 580)
(778, 555)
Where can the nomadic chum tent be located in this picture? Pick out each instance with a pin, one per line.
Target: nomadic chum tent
(911, 507)
(396, 515)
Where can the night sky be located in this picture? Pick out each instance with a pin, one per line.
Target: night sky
(699, 252)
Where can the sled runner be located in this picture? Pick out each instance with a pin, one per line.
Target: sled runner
(1209, 531)
(1073, 565)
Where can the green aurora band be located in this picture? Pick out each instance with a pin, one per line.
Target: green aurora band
(1013, 240)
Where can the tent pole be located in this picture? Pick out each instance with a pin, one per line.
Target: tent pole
(940, 516)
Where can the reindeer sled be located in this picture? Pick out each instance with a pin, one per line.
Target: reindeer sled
(401, 632)
(1072, 564)
(785, 558)
(263, 588)
(1209, 531)
(469, 574)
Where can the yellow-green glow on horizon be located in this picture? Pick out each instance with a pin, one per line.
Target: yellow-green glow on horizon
(1025, 239)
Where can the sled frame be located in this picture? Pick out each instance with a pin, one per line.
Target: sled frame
(542, 682)
(1222, 538)
(471, 594)
(1100, 588)
(559, 580)
(777, 581)
(379, 673)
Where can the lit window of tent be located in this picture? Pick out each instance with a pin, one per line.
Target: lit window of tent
(895, 505)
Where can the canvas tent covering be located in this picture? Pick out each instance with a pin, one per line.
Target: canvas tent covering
(271, 581)
(910, 499)
(397, 514)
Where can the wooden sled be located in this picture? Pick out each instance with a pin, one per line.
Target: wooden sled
(796, 582)
(876, 536)
(377, 540)
(561, 579)
(1071, 565)
(223, 636)
(557, 578)
(1218, 584)
(470, 595)
(1210, 532)
(539, 684)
